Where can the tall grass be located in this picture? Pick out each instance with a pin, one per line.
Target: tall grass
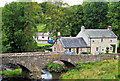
(15, 72)
(107, 69)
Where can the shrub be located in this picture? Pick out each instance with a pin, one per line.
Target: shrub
(102, 53)
(12, 73)
(107, 49)
(84, 53)
(54, 67)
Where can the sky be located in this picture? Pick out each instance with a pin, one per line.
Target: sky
(70, 2)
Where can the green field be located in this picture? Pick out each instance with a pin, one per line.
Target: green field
(107, 69)
(118, 41)
(42, 45)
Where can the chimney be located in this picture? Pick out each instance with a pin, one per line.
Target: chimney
(82, 28)
(109, 28)
(58, 33)
(59, 36)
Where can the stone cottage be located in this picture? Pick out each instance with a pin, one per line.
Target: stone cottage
(72, 44)
(94, 41)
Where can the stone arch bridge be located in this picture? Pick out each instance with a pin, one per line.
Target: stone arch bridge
(34, 62)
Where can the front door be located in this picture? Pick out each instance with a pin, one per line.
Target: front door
(77, 50)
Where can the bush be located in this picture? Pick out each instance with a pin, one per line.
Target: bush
(102, 53)
(107, 49)
(85, 53)
(15, 72)
(54, 67)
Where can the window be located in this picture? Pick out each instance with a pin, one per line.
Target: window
(102, 40)
(97, 48)
(69, 49)
(93, 41)
(84, 50)
(102, 49)
(111, 40)
(54, 49)
(110, 48)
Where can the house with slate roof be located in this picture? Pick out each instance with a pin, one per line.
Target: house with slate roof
(94, 41)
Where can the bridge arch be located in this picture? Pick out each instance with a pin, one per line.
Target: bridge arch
(25, 70)
(68, 64)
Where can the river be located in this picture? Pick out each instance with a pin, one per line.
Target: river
(45, 75)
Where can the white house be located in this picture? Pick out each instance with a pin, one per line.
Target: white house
(99, 39)
(42, 38)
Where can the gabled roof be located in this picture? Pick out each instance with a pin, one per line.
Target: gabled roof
(69, 42)
(99, 33)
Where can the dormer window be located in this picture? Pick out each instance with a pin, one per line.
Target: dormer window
(111, 40)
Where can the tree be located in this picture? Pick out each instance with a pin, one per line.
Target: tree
(55, 18)
(76, 20)
(114, 17)
(18, 26)
(94, 14)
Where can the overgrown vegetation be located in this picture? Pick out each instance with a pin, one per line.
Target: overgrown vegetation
(15, 72)
(53, 67)
(107, 69)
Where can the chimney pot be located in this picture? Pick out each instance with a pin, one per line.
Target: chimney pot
(58, 33)
(82, 28)
(109, 28)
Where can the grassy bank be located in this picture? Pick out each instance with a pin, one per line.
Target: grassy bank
(43, 45)
(107, 69)
(15, 72)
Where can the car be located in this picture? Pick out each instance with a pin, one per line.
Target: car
(68, 52)
(51, 41)
(118, 50)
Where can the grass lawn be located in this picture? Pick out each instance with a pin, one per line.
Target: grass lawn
(41, 45)
(107, 69)
(118, 41)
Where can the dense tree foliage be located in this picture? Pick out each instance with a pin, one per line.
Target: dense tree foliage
(95, 14)
(18, 27)
(114, 17)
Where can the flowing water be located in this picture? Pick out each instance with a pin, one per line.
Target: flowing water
(45, 75)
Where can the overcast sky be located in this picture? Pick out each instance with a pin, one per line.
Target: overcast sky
(70, 2)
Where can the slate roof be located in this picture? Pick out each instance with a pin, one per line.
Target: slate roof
(100, 33)
(69, 42)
